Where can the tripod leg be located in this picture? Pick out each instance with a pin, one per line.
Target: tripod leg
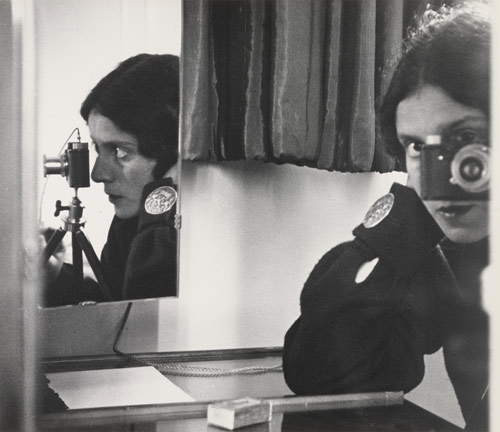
(94, 263)
(77, 263)
(52, 244)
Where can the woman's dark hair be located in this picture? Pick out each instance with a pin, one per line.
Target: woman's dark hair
(450, 49)
(141, 96)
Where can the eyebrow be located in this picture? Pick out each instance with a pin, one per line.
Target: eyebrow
(466, 119)
(118, 143)
(453, 125)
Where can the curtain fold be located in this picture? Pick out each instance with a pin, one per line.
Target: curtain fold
(289, 81)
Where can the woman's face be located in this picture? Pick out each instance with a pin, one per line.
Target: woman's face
(431, 111)
(119, 165)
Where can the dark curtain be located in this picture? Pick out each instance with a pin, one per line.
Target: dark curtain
(289, 81)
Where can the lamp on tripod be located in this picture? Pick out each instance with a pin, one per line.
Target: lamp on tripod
(74, 165)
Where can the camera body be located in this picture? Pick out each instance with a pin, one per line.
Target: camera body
(72, 164)
(449, 172)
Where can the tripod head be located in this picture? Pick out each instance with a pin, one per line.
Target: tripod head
(73, 221)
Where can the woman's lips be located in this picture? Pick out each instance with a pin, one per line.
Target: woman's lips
(454, 211)
(114, 198)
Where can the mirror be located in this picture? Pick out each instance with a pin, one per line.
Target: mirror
(77, 43)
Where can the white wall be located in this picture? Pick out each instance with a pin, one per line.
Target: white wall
(251, 234)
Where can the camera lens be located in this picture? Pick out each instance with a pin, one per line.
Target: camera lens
(55, 165)
(470, 168)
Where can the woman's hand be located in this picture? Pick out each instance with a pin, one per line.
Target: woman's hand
(53, 266)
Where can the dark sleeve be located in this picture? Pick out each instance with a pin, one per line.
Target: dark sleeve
(372, 335)
(151, 269)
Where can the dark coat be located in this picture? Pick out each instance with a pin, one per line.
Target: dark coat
(372, 335)
(139, 259)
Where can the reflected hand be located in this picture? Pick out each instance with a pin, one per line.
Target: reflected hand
(53, 266)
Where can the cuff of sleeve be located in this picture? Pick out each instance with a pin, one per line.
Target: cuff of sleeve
(147, 219)
(405, 235)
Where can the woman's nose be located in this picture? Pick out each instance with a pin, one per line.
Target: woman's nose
(101, 172)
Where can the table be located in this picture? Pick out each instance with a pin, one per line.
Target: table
(191, 416)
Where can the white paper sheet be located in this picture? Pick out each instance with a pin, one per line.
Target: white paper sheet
(115, 387)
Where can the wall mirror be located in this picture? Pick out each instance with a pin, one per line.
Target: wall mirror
(77, 43)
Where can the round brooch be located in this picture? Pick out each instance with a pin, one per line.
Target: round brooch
(160, 200)
(378, 211)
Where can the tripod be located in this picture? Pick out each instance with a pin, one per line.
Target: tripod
(73, 223)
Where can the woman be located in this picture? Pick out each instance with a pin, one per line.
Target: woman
(132, 115)
(409, 282)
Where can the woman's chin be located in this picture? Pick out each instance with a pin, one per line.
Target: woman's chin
(461, 222)
(125, 213)
(462, 235)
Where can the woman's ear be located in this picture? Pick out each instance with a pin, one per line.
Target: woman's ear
(172, 172)
(410, 181)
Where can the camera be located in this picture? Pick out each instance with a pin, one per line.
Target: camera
(451, 172)
(72, 164)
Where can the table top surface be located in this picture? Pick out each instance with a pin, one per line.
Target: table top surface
(222, 384)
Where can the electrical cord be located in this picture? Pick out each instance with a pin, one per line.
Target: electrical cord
(190, 371)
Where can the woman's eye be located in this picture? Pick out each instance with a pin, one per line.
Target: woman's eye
(121, 153)
(413, 149)
(466, 136)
